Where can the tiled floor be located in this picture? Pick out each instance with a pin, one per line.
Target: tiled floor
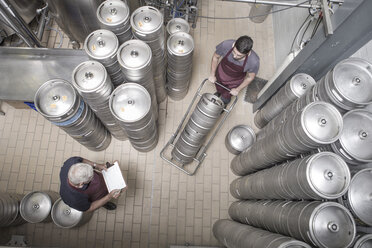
(162, 206)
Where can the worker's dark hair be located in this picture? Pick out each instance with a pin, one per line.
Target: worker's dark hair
(244, 44)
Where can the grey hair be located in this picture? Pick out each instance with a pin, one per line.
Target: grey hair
(80, 173)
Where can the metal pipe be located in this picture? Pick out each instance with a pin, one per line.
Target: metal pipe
(15, 21)
(43, 20)
(277, 3)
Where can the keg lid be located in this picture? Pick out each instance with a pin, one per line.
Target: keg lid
(328, 175)
(331, 225)
(180, 44)
(101, 44)
(146, 20)
(88, 76)
(113, 12)
(35, 206)
(364, 241)
(130, 102)
(178, 25)
(360, 195)
(134, 54)
(64, 216)
(353, 79)
(55, 98)
(241, 137)
(300, 83)
(356, 136)
(321, 122)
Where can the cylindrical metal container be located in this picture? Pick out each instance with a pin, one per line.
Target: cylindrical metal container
(114, 15)
(10, 210)
(239, 138)
(76, 18)
(147, 25)
(259, 12)
(358, 197)
(36, 206)
(202, 120)
(102, 45)
(320, 176)
(355, 142)
(130, 103)
(58, 102)
(180, 47)
(90, 79)
(322, 224)
(67, 217)
(363, 241)
(177, 25)
(135, 57)
(292, 90)
(317, 124)
(236, 235)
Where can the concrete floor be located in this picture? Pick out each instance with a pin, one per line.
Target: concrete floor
(162, 205)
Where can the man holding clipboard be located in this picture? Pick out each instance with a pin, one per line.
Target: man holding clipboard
(83, 187)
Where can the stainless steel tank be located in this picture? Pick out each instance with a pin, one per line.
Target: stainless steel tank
(114, 15)
(239, 138)
(10, 209)
(77, 19)
(90, 79)
(320, 176)
(58, 102)
(236, 235)
(67, 217)
(37, 205)
(322, 224)
(130, 103)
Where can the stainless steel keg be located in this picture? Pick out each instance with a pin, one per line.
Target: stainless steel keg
(363, 241)
(201, 121)
(239, 138)
(102, 45)
(114, 15)
(180, 47)
(358, 197)
(147, 25)
(130, 103)
(292, 90)
(90, 79)
(177, 25)
(354, 145)
(58, 102)
(135, 57)
(36, 206)
(67, 217)
(10, 210)
(236, 235)
(320, 176)
(317, 124)
(322, 224)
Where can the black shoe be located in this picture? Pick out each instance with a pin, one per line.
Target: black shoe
(218, 94)
(110, 206)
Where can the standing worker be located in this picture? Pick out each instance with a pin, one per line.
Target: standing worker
(83, 187)
(237, 69)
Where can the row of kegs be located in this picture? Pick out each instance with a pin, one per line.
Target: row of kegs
(39, 207)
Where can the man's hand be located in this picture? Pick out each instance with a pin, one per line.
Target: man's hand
(115, 193)
(212, 79)
(234, 92)
(101, 167)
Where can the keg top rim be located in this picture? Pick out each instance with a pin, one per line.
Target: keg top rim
(241, 137)
(362, 239)
(113, 12)
(65, 216)
(101, 44)
(146, 20)
(35, 206)
(300, 83)
(178, 25)
(180, 44)
(134, 55)
(89, 76)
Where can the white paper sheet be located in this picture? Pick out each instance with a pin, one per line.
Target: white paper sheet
(113, 178)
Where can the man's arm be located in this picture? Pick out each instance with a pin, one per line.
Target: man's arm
(95, 165)
(214, 64)
(247, 81)
(99, 203)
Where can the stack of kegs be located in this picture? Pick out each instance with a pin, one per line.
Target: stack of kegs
(177, 25)
(202, 120)
(37, 206)
(147, 25)
(10, 210)
(102, 45)
(180, 47)
(292, 90)
(318, 124)
(114, 15)
(130, 103)
(320, 176)
(66, 217)
(134, 57)
(321, 224)
(58, 102)
(233, 234)
(90, 79)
